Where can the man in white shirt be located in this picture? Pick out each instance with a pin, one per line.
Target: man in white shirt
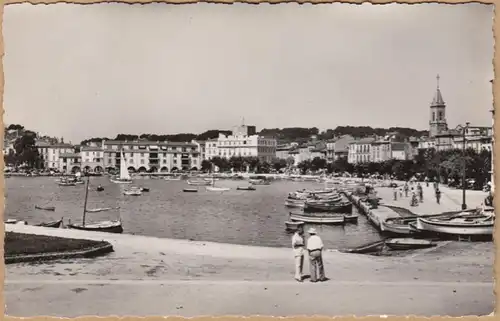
(298, 251)
(315, 249)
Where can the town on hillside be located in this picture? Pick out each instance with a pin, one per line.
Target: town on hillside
(360, 151)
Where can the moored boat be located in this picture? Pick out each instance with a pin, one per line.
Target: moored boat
(367, 248)
(408, 243)
(334, 219)
(124, 177)
(351, 218)
(293, 226)
(132, 192)
(45, 208)
(62, 183)
(245, 188)
(217, 189)
(198, 183)
(54, 224)
(103, 226)
(259, 182)
(190, 190)
(458, 226)
(344, 207)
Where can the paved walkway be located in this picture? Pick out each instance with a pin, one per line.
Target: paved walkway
(451, 200)
(148, 276)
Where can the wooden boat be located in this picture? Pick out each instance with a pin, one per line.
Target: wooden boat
(62, 183)
(344, 207)
(259, 182)
(190, 190)
(45, 208)
(294, 203)
(124, 177)
(293, 226)
(217, 189)
(458, 226)
(102, 209)
(54, 224)
(367, 248)
(351, 218)
(132, 192)
(198, 183)
(318, 219)
(408, 243)
(103, 226)
(14, 221)
(245, 188)
(170, 178)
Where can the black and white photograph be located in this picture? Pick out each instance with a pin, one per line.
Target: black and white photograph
(276, 160)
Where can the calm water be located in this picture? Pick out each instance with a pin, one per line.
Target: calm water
(240, 217)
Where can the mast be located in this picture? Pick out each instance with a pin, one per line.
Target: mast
(85, 203)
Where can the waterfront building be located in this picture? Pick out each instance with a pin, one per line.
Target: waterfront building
(243, 142)
(380, 150)
(400, 150)
(360, 150)
(92, 158)
(51, 154)
(338, 147)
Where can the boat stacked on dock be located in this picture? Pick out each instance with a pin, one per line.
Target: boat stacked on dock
(327, 206)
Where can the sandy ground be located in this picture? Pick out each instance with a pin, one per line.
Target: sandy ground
(150, 276)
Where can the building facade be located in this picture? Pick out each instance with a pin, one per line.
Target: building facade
(360, 151)
(243, 142)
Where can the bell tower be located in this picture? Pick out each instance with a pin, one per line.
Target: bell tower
(437, 122)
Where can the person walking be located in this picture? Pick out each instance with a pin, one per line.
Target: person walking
(395, 191)
(406, 189)
(298, 252)
(438, 195)
(315, 250)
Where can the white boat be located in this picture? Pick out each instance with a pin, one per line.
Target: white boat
(198, 183)
(458, 226)
(170, 178)
(133, 192)
(124, 177)
(334, 219)
(217, 189)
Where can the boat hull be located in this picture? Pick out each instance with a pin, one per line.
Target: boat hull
(368, 248)
(408, 244)
(218, 189)
(318, 219)
(451, 228)
(55, 224)
(111, 228)
(116, 181)
(337, 208)
(200, 183)
(190, 190)
(48, 208)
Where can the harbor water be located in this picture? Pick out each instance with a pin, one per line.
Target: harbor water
(239, 217)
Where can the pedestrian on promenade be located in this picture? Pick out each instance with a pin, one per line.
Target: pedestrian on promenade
(395, 191)
(298, 252)
(406, 189)
(315, 250)
(414, 200)
(400, 192)
(438, 195)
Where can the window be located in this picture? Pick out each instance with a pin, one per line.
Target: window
(433, 116)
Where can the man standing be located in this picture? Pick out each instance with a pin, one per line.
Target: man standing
(315, 249)
(438, 195)
(298, 251)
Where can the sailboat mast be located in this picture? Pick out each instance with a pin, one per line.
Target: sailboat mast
(85, 203)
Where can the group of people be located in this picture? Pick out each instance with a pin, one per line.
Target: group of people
(417, 192)
(314, 248)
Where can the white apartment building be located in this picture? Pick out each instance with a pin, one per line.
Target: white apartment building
(381, 151)
(360, 151)
(51, 154)
(243, 143)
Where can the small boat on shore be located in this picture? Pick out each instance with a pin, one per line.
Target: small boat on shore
(293, 226)
(408, 243)
(458, 226)
(54, 224)
(334, 219)
(190, 190)
(245, 188)
(367, 248)
(45, 208)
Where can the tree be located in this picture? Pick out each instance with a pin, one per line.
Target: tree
(206, 165)
(304, 166)
(290, 161)
(279, 164)
(26, 151)
(318, 163)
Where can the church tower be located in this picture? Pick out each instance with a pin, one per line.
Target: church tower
(437, 122)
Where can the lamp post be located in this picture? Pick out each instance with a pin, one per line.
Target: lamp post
(464, 203)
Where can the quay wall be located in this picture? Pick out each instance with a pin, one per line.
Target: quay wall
(376, 215)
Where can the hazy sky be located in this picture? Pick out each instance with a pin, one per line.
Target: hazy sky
(98, 70)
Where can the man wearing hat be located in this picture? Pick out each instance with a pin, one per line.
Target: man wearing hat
(315, 249)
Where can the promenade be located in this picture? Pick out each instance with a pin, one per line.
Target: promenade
(451, 199)
(151, 276)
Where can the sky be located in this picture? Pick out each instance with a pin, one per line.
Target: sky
(81, 71)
